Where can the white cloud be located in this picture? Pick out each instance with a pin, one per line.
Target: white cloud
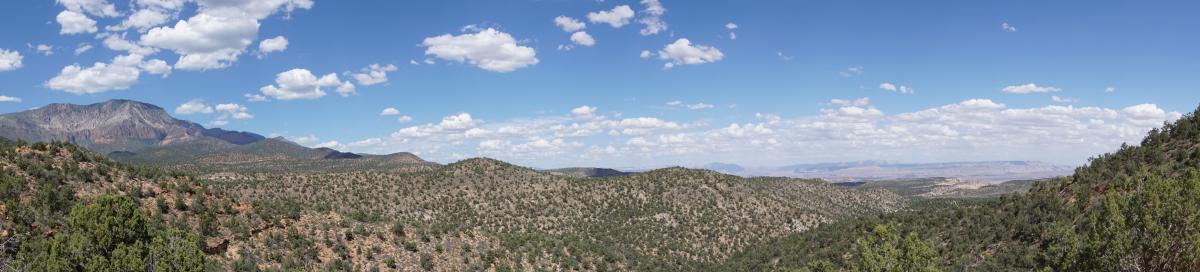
(1110, 89)
(119, 43)
(1058, 99)
(887, 86)
(682, 52)
(389, 112)
(75, 23)
(1029, 88)
(143, 20)
(276, 44)
(851, 71)
(156, 67)
(488, 49)
(255, 97)
(302, 84)
(44, 49)
(219, 33)
(699, 106)
(584, 112)
(10, 60)
(122, 73)
(404, 119)
(100, 8)
(617, 17)
(218, 123)
(374, 74)
(4, 98)
(305, 139)
(83, 47)
(731, 26)
(645, 54)
(652, 18)
(845, 102)
(582, 38)
(193, 106)
(569, 24)
(1008, 27)
(784, 57)
(235, 111)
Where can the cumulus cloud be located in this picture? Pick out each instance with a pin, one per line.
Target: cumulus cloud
(235, 111)
(584, 112)
(617, 17)
(143, 20)
(10, 60)
(569, 24)
(488, 49)
(255, 97)
(193, 106)
(10, 99)
(276, 44)
(75, 23)
(1008, 27)
(682, 52)
(100, 8)
(888, 86)
(645, 54)
(1029, 88)
(219, 32)
(374, 74)
(582, 38)
(43, 49)
(389, 112)
(404, 119)
(652, 18)
(303, 84)
(1110, 89)
(119, 43)
(120, 74)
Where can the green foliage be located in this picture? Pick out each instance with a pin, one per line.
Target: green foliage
(111, 234)
(885, 250)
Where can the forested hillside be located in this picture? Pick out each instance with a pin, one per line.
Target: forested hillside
(1136, 209)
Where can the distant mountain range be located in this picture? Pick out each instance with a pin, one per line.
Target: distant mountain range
(146, 134)
(985, 171)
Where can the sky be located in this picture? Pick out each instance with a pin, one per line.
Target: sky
(628, 84)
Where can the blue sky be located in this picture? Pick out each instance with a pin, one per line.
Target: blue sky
(1081, 77)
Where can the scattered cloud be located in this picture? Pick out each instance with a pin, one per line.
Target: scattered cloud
(10, 99)
(784, 57)
(1029, 88)
(617, 17)
(100, 8)
(1110, 89)
(83, 47)
(404, 119)
(694, 106)
(255, 97)
(846, 102)
(584, 112)
(1008, 27)
(682, 52)
(645, 54)
(120, 74)
(143, 20)
(1058, 99)
(488, 49)
(43, 49)
(75, 23)
(887, 86)
(374, 74)
(389, 112)
(10, 60)
(276, 44)
(851, 71)
(233, 110)
(731, 26)
(193, 106)
(582, 38)
(219, 33)
(652, 18)
(569, 24)
(302, 84)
